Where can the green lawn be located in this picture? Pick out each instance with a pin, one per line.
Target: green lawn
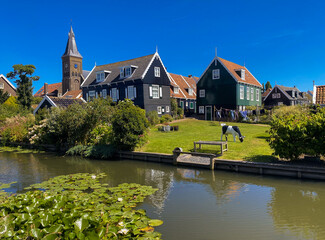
(254, 147)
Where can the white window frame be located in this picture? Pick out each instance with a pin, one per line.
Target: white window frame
(248, 91)
(216, 74)
(190, 91)
(167, 109)
(128, 72)
(121, 72)
(278, 95)
(159, 109)
(201, 109)
(241, 92)
(252, 94)
(91, 95)
(257, 95)
(104, 93)
(100, 76)
(242, 74)
(202, 93)
(130, 92)
(157, 71)
(155, 91)
(176, 90)
(2, 86)
(114, 94)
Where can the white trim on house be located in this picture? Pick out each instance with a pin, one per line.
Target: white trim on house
(88, 76)
(10, 84)
(43, 100)
(255, 79)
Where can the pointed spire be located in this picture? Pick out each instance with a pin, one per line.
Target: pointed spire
(216, 57)
(71, 48)
(156, 48)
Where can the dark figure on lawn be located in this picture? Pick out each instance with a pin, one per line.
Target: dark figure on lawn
(234, 130)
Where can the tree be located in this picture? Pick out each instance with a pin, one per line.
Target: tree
(268, 85)
(3, 96)
(22, 75)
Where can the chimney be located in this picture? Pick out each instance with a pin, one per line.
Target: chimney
(45, 88)
(189, 76)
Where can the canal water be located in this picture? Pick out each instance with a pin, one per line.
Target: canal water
(195, 203)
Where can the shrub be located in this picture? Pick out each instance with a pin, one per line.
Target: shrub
(297, 133)
(166, 118)
(95, 151)
(100, 135)
(129, 126)
(153, 118)
(180, 112)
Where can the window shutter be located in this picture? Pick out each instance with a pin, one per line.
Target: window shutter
(150, 91)
(110, 92)
(87, 98)
(135, 92)
(96, 94)
(117, 95)
(126, 92)
(160, 92)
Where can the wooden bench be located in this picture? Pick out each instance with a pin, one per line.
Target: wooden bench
(222, 144)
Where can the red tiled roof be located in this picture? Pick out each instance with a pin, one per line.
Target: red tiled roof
(320, 94)
(264, 94)
(73, 94)
(51, 88)
(249, 78)
(184, 83)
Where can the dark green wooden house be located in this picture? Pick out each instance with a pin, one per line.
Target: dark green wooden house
(227, 85)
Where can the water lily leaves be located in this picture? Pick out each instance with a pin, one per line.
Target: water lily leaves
(155, 222)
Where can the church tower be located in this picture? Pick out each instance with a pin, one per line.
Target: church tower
(71, 66)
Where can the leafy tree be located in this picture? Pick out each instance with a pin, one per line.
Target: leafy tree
(174, 106)
(268, 85)
(22, 75)
(3, 96)
(129, 125)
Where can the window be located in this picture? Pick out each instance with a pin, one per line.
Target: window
(190, 91)
(155, 91)
(242, 74)
(2, 85)
(122, 73)
(241, 92)
(182, 104)
(276, 95)
(247, 93)
(159, 109)
(252, 94)
(202, 93)
(191, 105)
(167, 109)
(130, 92)
(257, 95)
(176, 90)
(201, 109)
(92, 95)
(100, 76)
(157, 71)
(127, 72)
(114, 94)
(215, 73)
(104, 93)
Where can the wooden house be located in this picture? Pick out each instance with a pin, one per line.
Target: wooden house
(227, 85)
(144, 80)
(184, 90)
(6, 86)
(281, 95)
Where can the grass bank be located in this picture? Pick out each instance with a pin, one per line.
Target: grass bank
(254, 148)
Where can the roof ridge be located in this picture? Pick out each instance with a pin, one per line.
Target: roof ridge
(125, 60)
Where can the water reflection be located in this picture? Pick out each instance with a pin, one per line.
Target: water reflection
(195, 204)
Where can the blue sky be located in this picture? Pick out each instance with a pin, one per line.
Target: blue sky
(280, 41)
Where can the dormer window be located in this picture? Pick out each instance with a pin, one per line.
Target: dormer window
(215, 73)
(127, 71)
(100, 76)
(242, 74)
(190, 91)
(176, 90)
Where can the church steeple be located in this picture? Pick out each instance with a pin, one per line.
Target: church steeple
(71, 66)
(71, 48)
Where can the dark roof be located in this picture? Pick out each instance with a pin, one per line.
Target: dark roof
(65, 102)
(288, 89)
(85, 73)
(71, 48)
(140, 63)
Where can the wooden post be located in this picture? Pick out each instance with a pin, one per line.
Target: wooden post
(211, 163)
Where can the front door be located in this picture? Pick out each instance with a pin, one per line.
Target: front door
(208, 113)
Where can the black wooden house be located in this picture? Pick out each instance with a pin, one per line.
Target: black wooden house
(144, 80)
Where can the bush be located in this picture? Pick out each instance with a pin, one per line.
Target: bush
(298, 133)
(100, 135)
(129, 126)
(153, 118)
(96, 151)
(166, 118)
